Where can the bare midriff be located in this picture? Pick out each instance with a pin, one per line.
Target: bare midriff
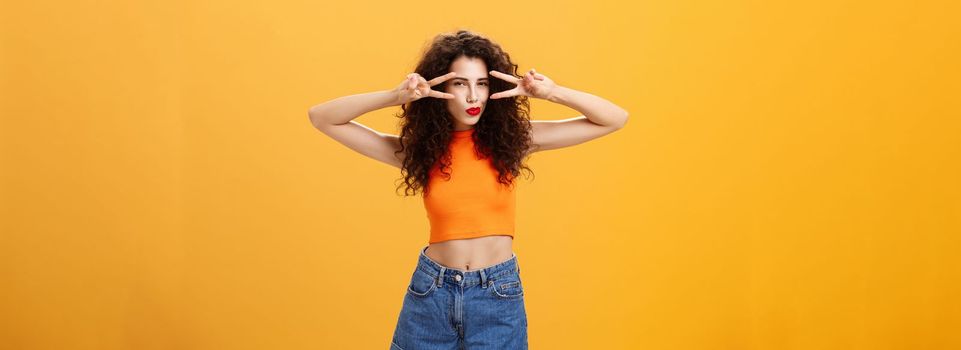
(471, 253)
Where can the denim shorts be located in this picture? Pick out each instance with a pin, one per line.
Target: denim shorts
(449, 308)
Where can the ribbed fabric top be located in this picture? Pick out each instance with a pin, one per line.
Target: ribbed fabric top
(472, 203)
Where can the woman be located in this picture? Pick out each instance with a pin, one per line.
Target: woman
(464, 135)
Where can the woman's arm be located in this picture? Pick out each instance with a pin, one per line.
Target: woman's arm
(596, 109)
(601, 117)
(335, 117)
(342, 110)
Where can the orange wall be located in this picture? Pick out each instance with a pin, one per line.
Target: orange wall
(788, 179)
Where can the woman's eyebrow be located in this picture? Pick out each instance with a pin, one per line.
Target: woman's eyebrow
(460, 78)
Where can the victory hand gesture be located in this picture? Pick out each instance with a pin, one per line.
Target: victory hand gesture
(531, 84)
(416, 87)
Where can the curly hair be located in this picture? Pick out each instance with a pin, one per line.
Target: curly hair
(502, 134)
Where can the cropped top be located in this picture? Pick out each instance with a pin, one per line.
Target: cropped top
(472, 203)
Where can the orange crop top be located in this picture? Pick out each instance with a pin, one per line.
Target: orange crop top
(472, 203)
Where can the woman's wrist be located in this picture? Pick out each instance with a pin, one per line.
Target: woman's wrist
(395, 97)
(559, 95)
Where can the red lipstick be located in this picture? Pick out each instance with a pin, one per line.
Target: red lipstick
(474, 110)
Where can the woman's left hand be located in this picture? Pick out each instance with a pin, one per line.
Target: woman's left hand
(531, 84)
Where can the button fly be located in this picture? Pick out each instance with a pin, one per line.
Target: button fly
(457, 278)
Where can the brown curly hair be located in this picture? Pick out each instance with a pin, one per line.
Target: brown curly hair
(502, 134)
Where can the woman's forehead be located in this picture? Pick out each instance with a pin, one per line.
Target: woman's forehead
(469, 68)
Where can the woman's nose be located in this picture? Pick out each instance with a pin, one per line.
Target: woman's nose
(472, 96)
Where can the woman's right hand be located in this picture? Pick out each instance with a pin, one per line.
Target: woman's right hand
(415, 87)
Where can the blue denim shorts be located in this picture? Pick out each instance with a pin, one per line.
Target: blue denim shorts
(449, 308)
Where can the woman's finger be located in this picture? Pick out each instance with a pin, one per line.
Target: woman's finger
(419, 80)
(505, 77)
(442, 78)
(507, 93)
(537, 75)
(416, 88)
(438, 94)
(528, 78)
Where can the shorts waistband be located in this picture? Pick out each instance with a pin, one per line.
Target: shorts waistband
(465, 278)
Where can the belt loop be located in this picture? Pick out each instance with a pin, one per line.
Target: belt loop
(483, 279)
(440, 278)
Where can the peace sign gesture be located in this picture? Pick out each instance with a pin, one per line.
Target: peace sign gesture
(416, 87)
(531, 84)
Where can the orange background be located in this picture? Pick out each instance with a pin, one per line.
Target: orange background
(789, 178)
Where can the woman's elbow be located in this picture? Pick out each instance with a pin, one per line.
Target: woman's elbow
(623, 119)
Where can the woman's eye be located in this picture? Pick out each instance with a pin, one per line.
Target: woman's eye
(461, 83)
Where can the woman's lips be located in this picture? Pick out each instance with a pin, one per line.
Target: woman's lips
(473, 111)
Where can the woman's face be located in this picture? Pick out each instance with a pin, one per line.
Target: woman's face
(470, 88)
